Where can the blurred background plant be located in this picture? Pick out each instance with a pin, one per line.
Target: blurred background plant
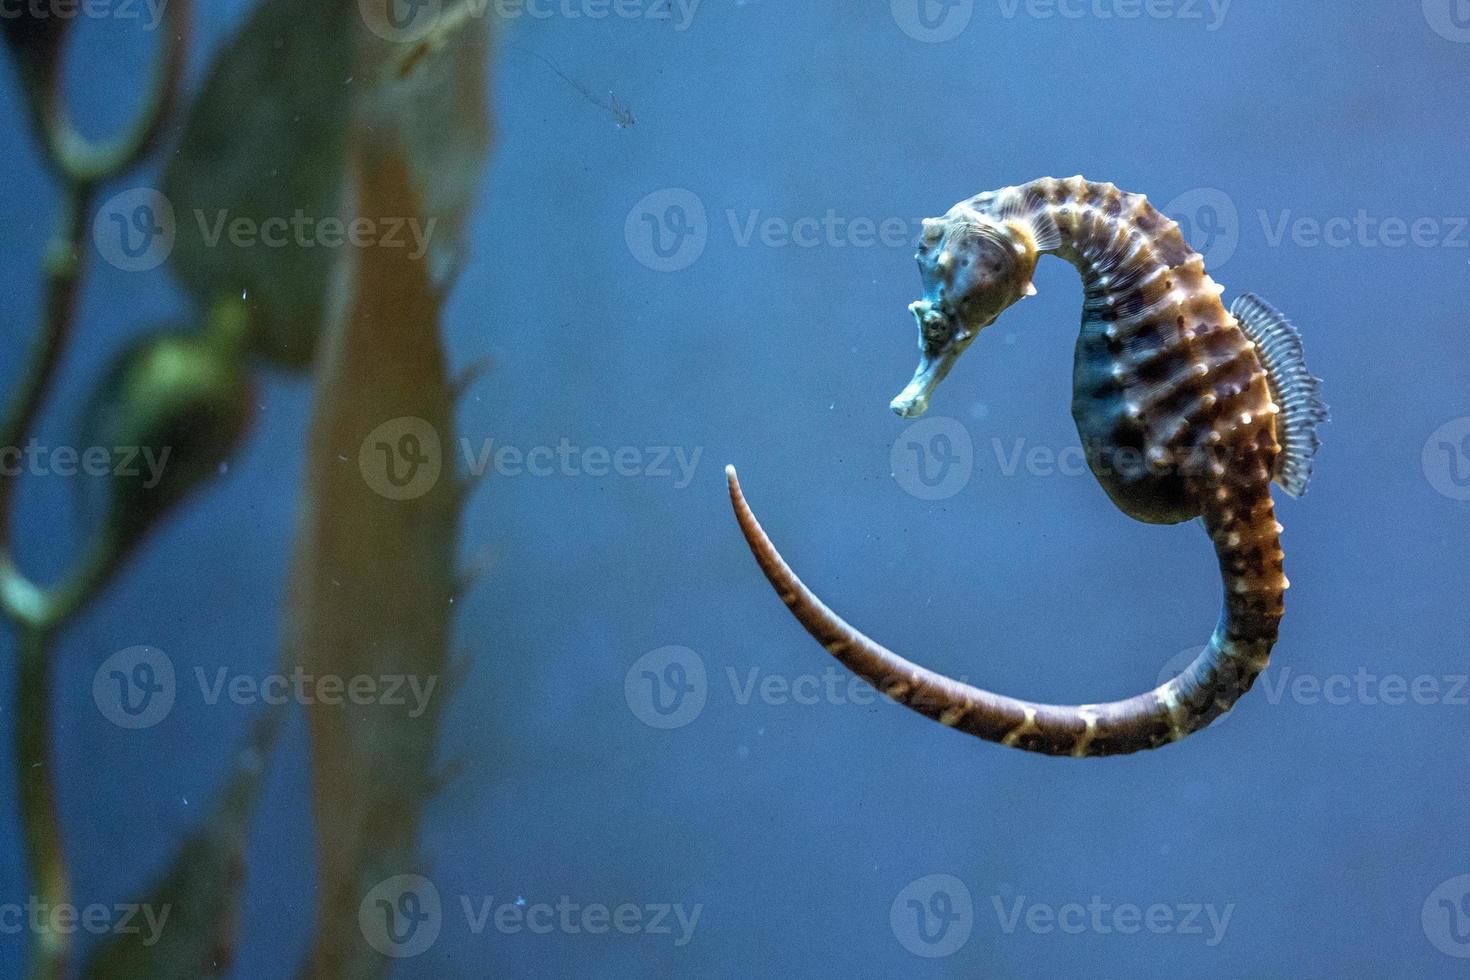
(307, 110)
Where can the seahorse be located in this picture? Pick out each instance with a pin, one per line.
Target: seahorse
(1185, 410)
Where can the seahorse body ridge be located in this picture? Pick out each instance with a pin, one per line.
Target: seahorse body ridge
(1185, 410)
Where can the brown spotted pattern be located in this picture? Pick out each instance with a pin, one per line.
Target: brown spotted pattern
(1177, 420)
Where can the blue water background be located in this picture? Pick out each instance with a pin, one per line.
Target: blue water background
(1324, 827)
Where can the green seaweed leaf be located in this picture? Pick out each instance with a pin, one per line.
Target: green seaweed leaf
(184, 399)
(265, 141)
(196, 900)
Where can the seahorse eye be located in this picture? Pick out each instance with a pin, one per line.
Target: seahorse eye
(985, 280)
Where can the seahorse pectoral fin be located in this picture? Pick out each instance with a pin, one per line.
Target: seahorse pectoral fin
(1295, 392)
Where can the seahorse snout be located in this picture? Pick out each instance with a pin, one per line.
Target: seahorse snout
(941, 341)
(913, 401)
(910, 404)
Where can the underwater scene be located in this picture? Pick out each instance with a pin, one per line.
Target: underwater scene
(734, 488)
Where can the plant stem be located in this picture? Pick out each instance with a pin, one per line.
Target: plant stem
(63, 274)
(81, 162)
(36, 613)
(42, 824)
(58, 604)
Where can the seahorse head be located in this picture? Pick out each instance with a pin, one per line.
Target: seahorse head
(973, 267)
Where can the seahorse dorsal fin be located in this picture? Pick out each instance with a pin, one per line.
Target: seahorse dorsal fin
(1293, 388)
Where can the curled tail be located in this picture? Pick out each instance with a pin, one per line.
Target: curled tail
(1185, 410)
(1240, 520)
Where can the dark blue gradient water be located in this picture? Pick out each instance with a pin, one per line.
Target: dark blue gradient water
(726, 281)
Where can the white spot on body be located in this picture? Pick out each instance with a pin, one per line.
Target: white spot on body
(1170, 701)
(1026, 727)
(1090, 719)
